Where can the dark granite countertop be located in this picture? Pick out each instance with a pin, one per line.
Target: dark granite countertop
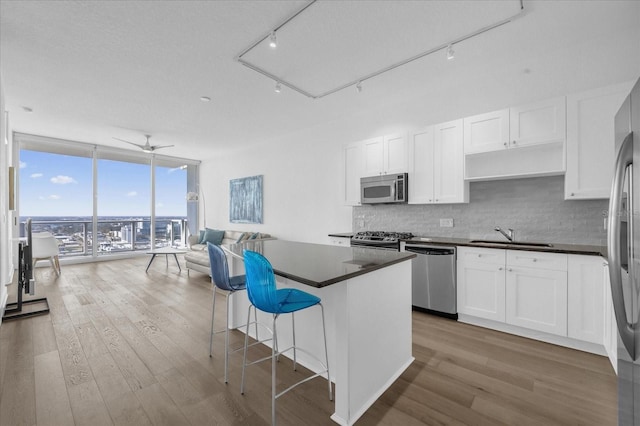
(342, 235)
(555, 247)
(319, 265)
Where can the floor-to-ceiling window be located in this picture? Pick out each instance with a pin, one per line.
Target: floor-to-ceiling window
(134, 201)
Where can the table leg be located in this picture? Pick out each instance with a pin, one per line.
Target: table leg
(153, 256)
(178, 263)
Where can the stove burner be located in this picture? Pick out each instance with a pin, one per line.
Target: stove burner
(382, 236)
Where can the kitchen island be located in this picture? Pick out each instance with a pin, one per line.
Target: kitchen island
(366, 295)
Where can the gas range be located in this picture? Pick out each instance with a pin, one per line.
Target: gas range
(380, 239)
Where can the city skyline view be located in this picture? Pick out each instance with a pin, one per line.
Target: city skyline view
(57, 185)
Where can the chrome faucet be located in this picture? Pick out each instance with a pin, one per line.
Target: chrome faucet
(509, 235)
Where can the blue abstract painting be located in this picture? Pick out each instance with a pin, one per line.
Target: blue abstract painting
(245, 200)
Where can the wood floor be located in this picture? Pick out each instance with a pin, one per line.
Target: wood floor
(128, 348)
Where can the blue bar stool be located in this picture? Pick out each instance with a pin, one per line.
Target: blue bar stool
(227, 285)
(262, 292)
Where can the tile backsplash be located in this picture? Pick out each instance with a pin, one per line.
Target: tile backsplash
(534, 207)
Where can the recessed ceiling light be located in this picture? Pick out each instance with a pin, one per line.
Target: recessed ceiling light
(278, 88)
(205, 98)
(27, 109)
(359, 87)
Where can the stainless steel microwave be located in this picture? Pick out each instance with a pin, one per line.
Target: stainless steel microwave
(390, 188)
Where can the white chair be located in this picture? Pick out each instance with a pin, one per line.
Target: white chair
(44, 246)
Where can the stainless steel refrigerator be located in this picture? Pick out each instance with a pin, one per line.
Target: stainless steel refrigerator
(623, 244)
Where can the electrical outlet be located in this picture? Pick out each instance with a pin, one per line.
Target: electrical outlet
(446, 223)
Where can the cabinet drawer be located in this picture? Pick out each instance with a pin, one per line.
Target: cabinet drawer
(538, 260)
(484, 255)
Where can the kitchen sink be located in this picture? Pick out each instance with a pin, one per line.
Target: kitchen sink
(512, 243)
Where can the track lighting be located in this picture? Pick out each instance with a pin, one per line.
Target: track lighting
(450, 52)
(278, 88)
(359, 87)
(273, 42)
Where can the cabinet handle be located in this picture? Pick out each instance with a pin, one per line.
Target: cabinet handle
(500, 268)
(514, 142)
(436, 200)
(510, 270)
(430, 200)
(535, 260)
(572, 194)
(505, 144)
(479, 255)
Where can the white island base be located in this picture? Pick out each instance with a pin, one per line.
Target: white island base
(368, 319)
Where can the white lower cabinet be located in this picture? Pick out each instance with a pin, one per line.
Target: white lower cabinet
(537, 299)
(586, 298)
(481, 283)
(530, 292)
(340, 241)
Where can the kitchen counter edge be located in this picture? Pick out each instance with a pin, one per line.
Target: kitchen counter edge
(589, 250)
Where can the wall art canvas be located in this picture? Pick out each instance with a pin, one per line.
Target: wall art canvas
(245, 200)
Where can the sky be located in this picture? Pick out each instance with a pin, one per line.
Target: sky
(61, 185)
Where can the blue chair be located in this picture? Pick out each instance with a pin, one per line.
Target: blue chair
(227, 285)
(263, 295)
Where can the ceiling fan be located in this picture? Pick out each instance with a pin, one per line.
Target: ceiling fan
(147, 147)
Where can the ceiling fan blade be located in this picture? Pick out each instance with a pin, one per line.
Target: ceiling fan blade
(154, 147)
(131, 143)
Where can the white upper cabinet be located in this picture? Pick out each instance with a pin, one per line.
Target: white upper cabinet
(449, 185)
(532, 124)
(373, 150)
(421, 166)
(394, 153)
(352, 162)
(486, 132)
(590, 141)
(385, 154)
(538, 123)
(437, 165)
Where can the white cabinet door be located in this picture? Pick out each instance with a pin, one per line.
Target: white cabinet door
(585, 298)
(421, 166)
(352, 163)
(373, 152)
(590, 141)
(537, 299)
(481, 283)
(449, 185)
(486, 132)
(340, 241)
(537, 123)
(395, 154)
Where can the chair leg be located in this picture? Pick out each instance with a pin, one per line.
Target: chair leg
(244, 356)
(56, 264)
(213, 311)
(273, 373)
(326, 352)
(293, 330)
(226, 344)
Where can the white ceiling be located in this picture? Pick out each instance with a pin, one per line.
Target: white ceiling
(95, 70)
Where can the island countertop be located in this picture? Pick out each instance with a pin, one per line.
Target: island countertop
(319, 265)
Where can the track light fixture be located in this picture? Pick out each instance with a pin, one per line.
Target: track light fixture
(273, 41)
(450, 52)
(278, 88)
(359, 87)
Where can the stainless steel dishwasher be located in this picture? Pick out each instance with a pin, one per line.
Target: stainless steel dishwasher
(434, 279)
